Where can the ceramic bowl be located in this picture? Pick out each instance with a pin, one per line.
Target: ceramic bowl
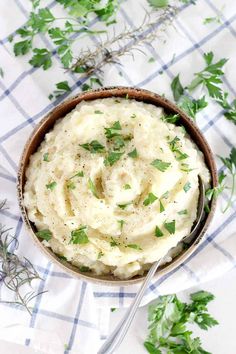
(47, 123)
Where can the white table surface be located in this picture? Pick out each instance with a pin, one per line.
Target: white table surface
(218, 340)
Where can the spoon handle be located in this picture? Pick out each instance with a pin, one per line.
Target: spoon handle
(120, 331)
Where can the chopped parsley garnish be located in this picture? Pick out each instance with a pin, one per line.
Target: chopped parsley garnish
(98, 112)
(165, 195)
(134, 246)
(51, 185)
(46, 157)
(78, 174)
(118, 142)
(114, 130)
(121, 222)
(171, 118)
(174, 147)
(185, 167)
(112, 158)
(162, 208)
(44, 234)
(151, 60)
(100, 255)
(84, 269)
(93, 147)
(127, 186)
(160, 165)
(113, 242)
(70, 185)
(123, 206)
(92, 187)
(151, 198)
(183, 212)
(187, 186)
(133, 115)
(170, 226)
(158, 232)
(133, 153)
(79, 236)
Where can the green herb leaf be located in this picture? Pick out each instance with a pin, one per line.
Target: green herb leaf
(79, 236)
(151, 198)
(98, 112)
(158, 232)
(151, 60)
(1, 73)
(42, 57)
(46, 157)
(84, 269)
(170, 226)
(100, 255)
(112, 158)
(158, 3)
(183, 212)
(127, 186)
(162, 208)
(118, 142)
(133, 154)
(114, 243)
(70, 185)
(114, 130)
(171, 118)
(160, 165)
(94, 147)
(123, 206)
(121, 222)
(134, 246)
(177, 88)
(22, 47)
(51, 185)
(78, 174)
(44, 234)
(92, 187)
(187, 186)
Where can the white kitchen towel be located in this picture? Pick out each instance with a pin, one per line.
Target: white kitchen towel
(73, 316)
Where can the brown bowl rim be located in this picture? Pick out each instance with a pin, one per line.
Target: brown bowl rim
(63, 108)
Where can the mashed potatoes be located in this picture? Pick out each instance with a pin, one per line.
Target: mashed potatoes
(113, 187)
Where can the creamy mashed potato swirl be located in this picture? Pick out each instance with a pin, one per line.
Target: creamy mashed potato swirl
(113, 186)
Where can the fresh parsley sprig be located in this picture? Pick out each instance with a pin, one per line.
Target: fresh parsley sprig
(169, 318)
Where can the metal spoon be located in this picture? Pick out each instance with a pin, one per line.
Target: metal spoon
(117, 336)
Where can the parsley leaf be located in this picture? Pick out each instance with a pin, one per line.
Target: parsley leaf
(92, 187)
(134, 246)
(123, 206)
(44, 234)
(121, 222)
(168, 319)
(158, 3)
(187, 186)
(62, 88)
(51, 185)
(70, 185)
(162, 208)
(79, 236)
(127, 186)
(158, 232)
(170, 226)
(160, 165)
(183, 212)
(114, 243)
(93, 147)
(113, 130)
(22, 47)
(177, 88)
(46, 157)
(150, 199)
(100, 255)
(133, 154)
(42, 57)
(78, 174)
(171, 118)
(84, 269)
(112, 158)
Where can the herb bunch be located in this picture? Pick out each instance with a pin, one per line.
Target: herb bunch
(109, 51)
(43, 21)
(15, 274)
(169, 318)
(210, 79)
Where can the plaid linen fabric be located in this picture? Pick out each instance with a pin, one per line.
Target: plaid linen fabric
(73, 312)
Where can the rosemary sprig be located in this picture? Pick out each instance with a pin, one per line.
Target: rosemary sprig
(15, 274)
(125, 43)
